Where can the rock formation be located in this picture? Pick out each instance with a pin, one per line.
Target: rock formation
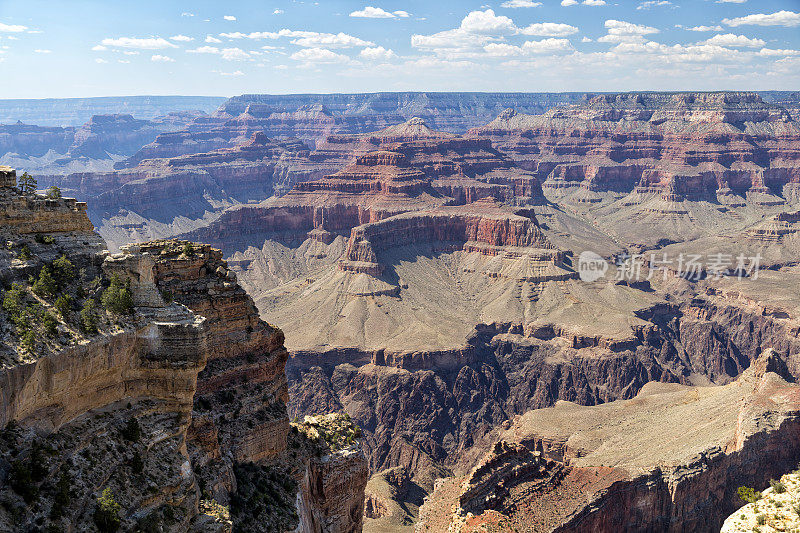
(645, 159)
(670, 459)
(141, 389)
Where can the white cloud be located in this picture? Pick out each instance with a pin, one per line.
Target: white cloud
(377, 53)
(235, 54)
(594, 2)
(620, 27)
(319, 55)
(731, 1)
(487, 23)
(705, 28)
(212, 39)
(100, 60)
(567, 3)
(278, 12)
(653, 3)
(520, 3)
(129, 52)
(150, 43)
(586, 40)
(329, 40)
(229, 17)
(735, 41)
(235, 73)
(370, 12)
(450, 39)
(123, 61)
(181, 38)
(12, 28)
(545, 46)
(789, 19)
(99, 48)
(43, 51)
(549, 29)
(502, 49)
(770, 52)
(308, 39)
(204, 50)
(162, 59)
(228, 54)
(187, 14)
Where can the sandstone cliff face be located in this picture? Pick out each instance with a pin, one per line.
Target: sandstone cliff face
(680, 474)
(173, 405)
(698, 142)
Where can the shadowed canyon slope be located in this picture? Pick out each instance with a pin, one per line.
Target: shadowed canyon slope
(142, 389)
(427, 280)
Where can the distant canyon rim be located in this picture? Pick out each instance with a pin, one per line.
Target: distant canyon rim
(418, 255)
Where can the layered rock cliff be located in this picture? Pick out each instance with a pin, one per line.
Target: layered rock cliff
(670, 459)
(141, 391)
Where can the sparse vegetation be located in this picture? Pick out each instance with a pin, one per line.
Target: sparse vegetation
(117, 298)
(137, 464)
(188, 249)
(748, 494)
(44, 239)
(777, 486)
(106, 513)
(45, 285)
(26, 184)
(54, 193)
(88, 318)
(63, 305)
(132, 430)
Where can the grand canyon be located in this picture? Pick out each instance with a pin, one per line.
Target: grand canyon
(404, 311)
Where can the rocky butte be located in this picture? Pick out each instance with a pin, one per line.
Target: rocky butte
(140, 389)
(653, 166)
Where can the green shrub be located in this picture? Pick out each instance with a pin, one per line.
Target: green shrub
(62, 497)
(28, 340)
(777, 486)
(44, 239)
(63, 305)
(106, 513)
(137, 464)
(21, 481)
(25, 253)
(761, 519)
(88, 319)
(188, 249)
(50, 324)
(117, 298)
(13, 299)
(748, 494)
(46, 285)
(63, 271)
(54, 193)
(132, 430)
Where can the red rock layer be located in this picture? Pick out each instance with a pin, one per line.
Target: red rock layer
(703, 142)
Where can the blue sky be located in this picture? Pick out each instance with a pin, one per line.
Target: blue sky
(60, 48)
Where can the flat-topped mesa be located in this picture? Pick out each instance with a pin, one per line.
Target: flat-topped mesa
(8, 178)
(28, 214)
(699, 140)
(380, 171)
(482, 227)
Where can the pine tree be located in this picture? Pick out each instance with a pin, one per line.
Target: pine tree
(26, 184)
